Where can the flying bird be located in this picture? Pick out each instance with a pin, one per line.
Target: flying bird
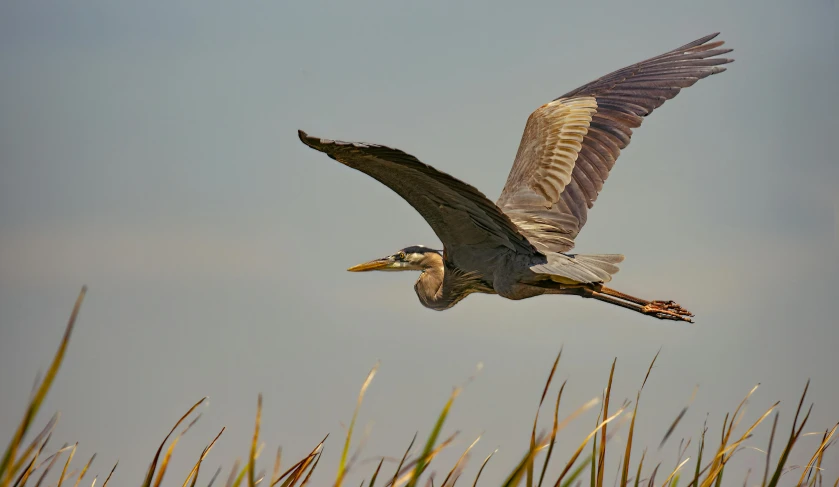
(518, 247)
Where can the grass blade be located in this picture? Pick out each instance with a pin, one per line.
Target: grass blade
(24, 476)
(553, 434)
(601, 462)
(402, 462)
(214, 477)
(536, 419)
(153, 465)
(277, 465)
(39, 438)
(252, 462)
(640, 466)
(376, 473)
(232, 476)
(432, 439)
(480, 470)
(314, 466)
(164, 464)
(458, 464)
(292, 480)
(297, 466)
(627, 455)
(583, 445)
(577, 472)
(816, 455)
(342, 465)
(8, 460)
(408, 473)
(792, 439)
(194, 472)
(67, 464)
(675, 423)
(515, 476)
(672, 474)
(52, 459)
(105, 484)
(84, 470)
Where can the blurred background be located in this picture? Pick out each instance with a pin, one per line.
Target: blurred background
(149, 150)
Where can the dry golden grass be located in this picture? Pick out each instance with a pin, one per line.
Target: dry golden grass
(21, 461)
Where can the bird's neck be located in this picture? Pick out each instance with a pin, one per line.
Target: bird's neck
(429, 286)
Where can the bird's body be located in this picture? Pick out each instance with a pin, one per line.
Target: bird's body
(519, 246)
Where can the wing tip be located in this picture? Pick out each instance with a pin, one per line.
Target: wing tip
(707, 38)
(313, 142)
(304, 137)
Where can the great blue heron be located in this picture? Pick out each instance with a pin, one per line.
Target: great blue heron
(518, 247)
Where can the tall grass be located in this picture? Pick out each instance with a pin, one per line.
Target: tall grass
(22, 460)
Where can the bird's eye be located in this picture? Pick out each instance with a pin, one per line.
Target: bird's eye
(401, 255)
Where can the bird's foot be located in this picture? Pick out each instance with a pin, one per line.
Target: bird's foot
(667, 310)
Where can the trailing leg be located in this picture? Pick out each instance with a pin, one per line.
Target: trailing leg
(664, 310)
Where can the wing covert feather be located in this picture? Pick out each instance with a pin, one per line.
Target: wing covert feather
(620, 100)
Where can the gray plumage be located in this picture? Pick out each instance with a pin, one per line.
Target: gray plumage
(518, 246)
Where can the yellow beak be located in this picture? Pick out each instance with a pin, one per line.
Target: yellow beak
(373, 265)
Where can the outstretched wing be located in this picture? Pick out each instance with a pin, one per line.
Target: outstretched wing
(570, 145)
(461, 216)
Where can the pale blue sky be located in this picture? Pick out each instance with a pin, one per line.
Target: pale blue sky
(149, 150)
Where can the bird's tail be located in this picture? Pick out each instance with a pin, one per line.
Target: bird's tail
(580, 268)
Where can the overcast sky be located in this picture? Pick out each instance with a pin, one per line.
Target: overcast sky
(149, 150)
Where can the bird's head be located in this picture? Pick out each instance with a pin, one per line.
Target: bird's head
(414, 258)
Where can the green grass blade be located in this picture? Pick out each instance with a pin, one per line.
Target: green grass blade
(675, 471)
(640, 467)
(432, 439)
(577, 472)
(516, 475)
(241, 476)
(699, 456)
(407, 473)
